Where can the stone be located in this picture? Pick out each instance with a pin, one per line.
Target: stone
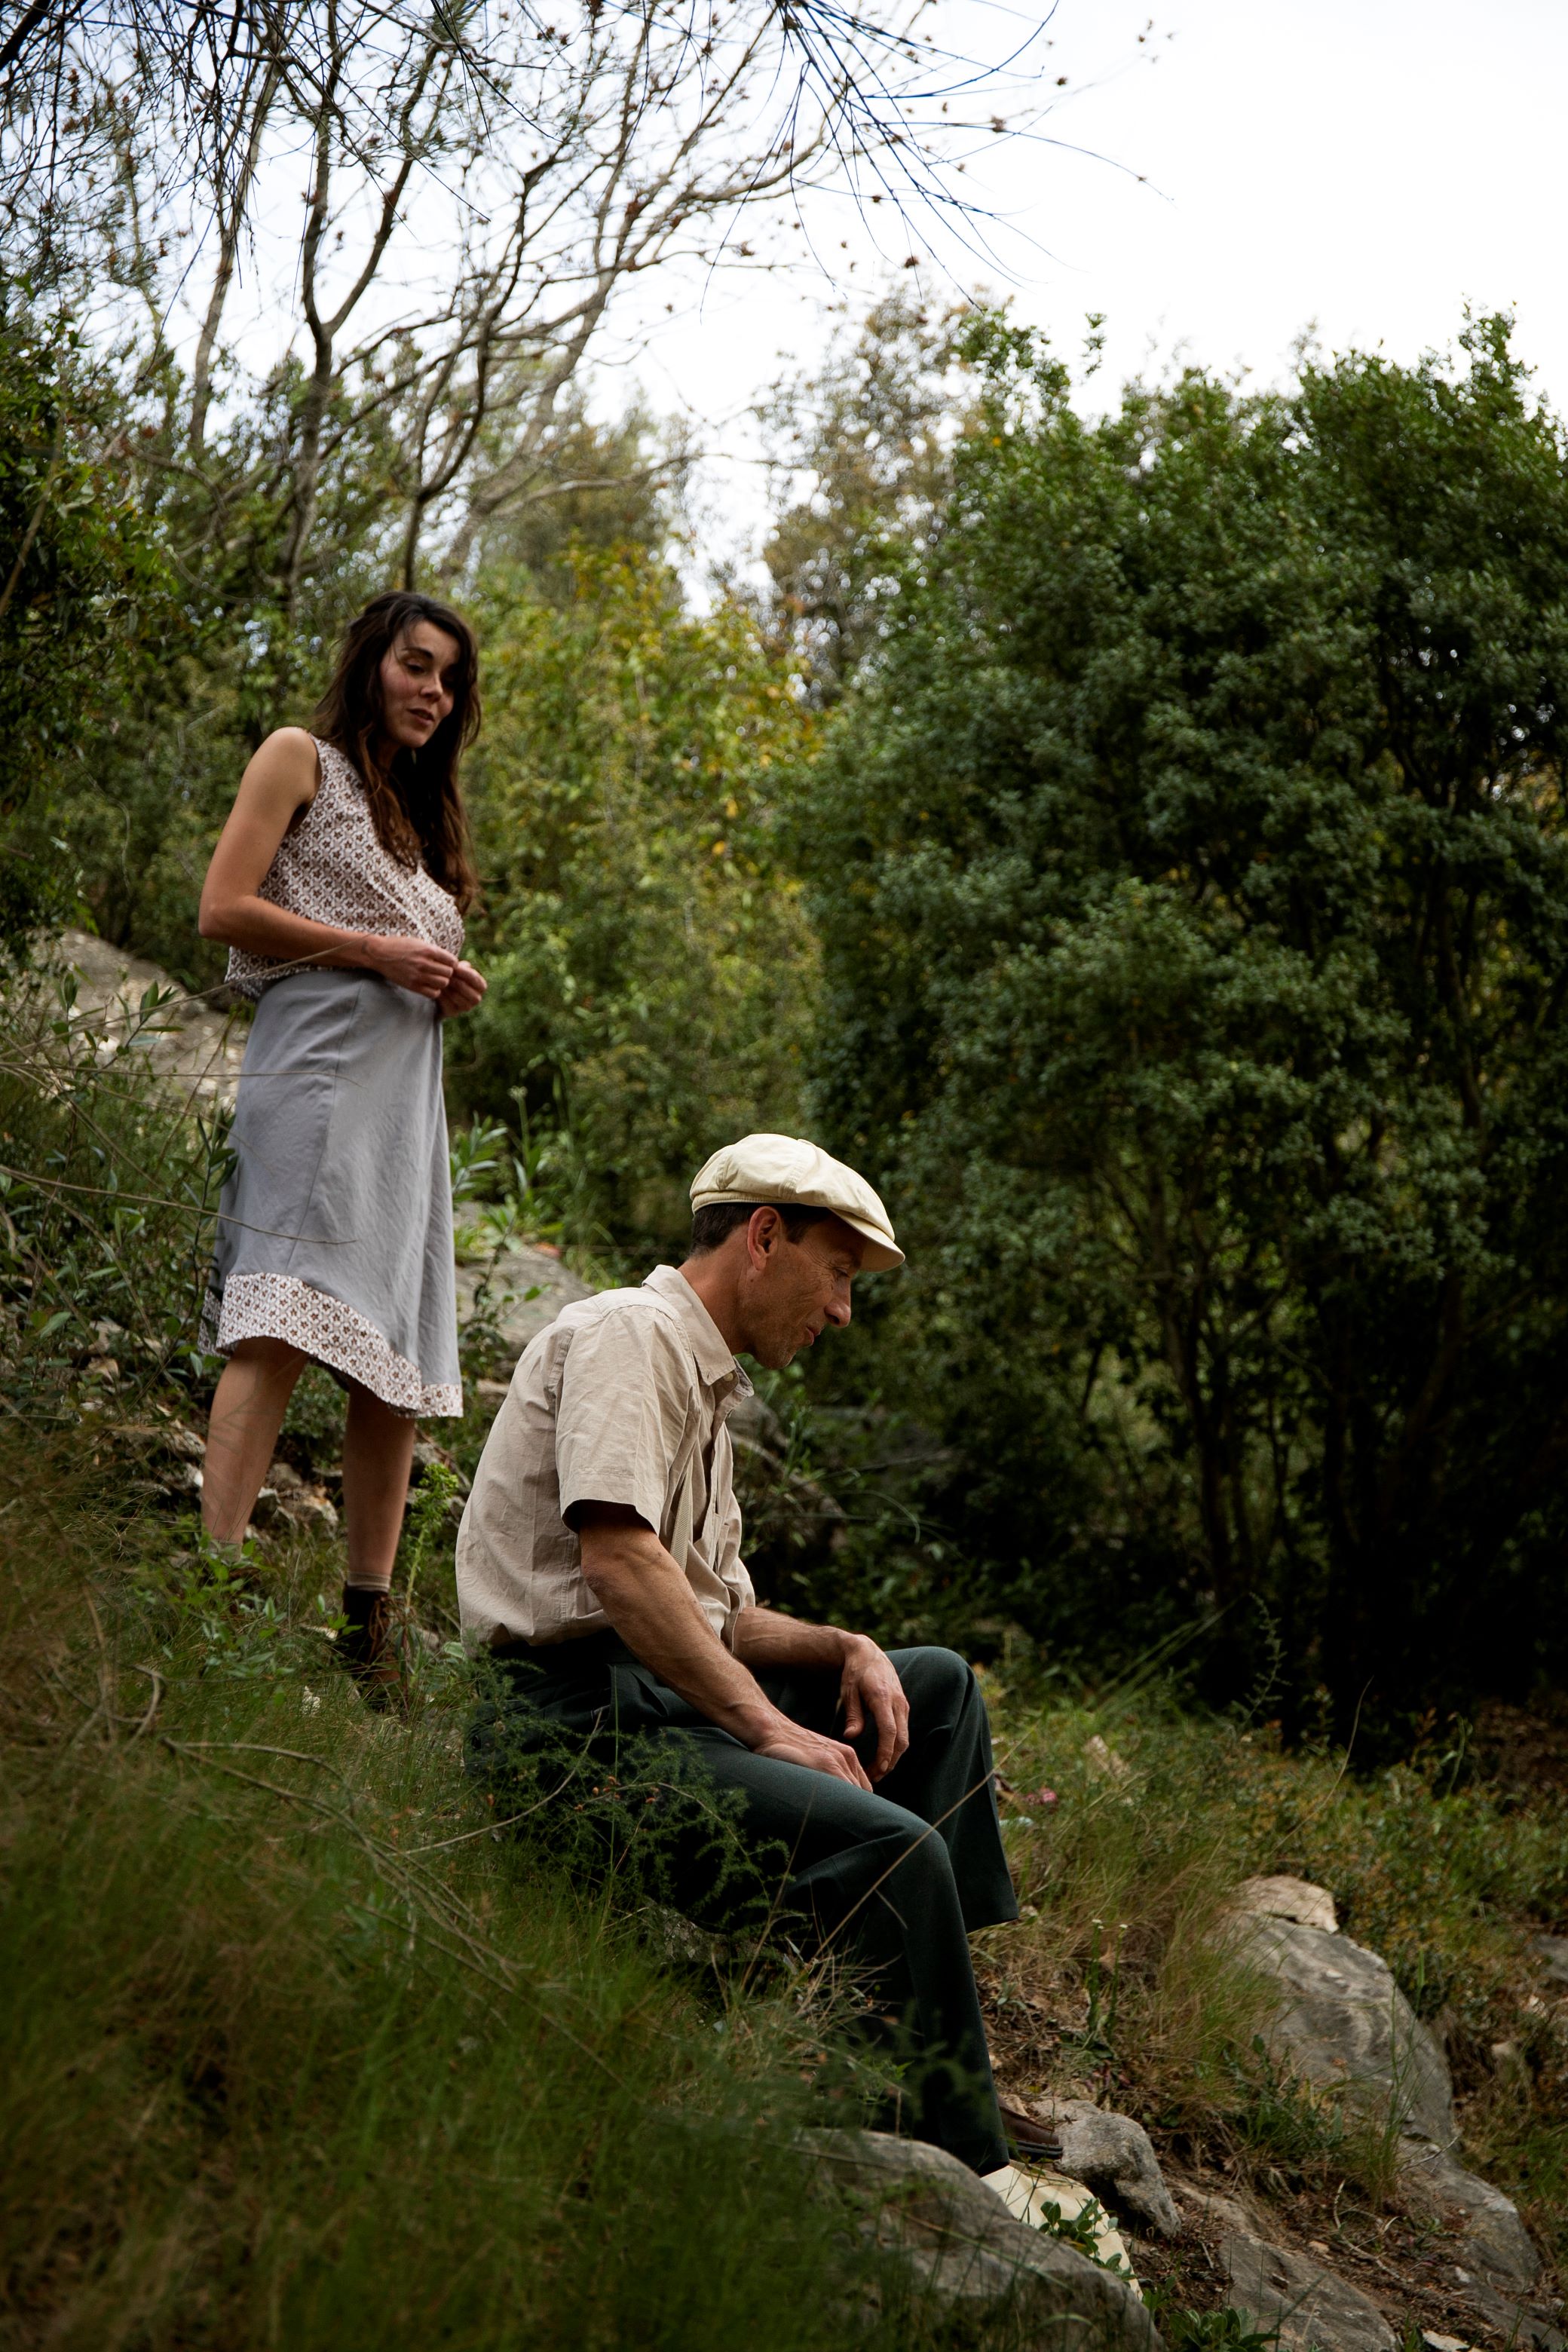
(1114, 2157)
(284, 1479)
(753, 1422)
(267, 1510)
(193, 1041)
(1283, 1897)
(1522, 2329)
(1274, 2287)
(1342, 2025)
(520, 1291)
(1493, 2238)
(958, 2241)
(1554, 1951)
(429, 1456)
(310, 1510)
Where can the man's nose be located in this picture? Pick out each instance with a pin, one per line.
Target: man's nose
(838, 1311)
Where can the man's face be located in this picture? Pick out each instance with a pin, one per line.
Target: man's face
(794, 1289)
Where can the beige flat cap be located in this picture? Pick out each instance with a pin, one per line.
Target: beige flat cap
(783, 1168)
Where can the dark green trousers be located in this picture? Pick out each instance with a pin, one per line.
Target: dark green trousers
(894, 1878)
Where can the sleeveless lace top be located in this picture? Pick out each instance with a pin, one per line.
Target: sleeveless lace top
(331, 868)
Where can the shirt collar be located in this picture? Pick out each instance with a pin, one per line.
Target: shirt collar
(715, 1357)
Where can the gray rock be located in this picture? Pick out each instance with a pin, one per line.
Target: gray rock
(1554, 1951)
(268, 1511)
(1282, 1897)
(1494, 2238)
(1113, 2156)
(1275, 2287)
(962, 2247)
(1343, 2023)
(429, 1456)
(521, 1290)
(753, 1421)
(1522, 2329)
(311, 1510)
(193, 1041)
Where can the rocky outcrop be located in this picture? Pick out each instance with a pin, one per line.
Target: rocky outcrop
(1495, 2239)
(513, 1295)
(1344, 2025)
(194, 1042)
(1341, 2023)
(1114, 2157)
(960, 2246)
(1520, 2328)
(1283, 1897)
(1553, 1951)
(1272, 2287)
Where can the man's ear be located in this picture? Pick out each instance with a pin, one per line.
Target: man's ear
(763, 1231)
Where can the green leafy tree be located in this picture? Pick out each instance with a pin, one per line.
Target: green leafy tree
(865, 451)
(1191, 870)
(649, 960)
(82, 575)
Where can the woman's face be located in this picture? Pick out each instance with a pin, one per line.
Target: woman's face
(417, 677)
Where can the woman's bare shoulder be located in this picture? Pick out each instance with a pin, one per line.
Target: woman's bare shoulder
(287, 764)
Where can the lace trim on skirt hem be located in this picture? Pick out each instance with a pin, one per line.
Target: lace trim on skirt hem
(280, 1306)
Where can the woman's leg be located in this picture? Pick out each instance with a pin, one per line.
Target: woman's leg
(378, 1453)
(247, 1412)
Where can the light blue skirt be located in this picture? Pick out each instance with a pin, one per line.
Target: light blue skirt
(335, 1226)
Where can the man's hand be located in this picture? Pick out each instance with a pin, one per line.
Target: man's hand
(869, 1686)
(646, 1599)
(790, 1745)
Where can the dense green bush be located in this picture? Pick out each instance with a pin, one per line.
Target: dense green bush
(1192, 880)
(82, 577)
(649, 960)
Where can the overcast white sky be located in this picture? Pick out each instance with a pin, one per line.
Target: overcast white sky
(1366, 166)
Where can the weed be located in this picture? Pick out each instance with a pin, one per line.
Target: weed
(298, 2050)
(1281, 2117)
(1222, 2330)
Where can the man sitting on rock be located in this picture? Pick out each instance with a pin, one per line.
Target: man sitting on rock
(599, 1562)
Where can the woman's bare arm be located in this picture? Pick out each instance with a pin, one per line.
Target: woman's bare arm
(281, 780)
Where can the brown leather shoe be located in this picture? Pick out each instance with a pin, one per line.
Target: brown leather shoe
(368, 1649)
(1028, 2136)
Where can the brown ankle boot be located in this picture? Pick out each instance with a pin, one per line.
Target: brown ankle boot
(367, 1648)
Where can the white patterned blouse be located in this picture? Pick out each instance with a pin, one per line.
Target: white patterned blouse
(331, 867)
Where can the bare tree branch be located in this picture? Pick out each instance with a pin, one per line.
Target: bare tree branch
(483, 189)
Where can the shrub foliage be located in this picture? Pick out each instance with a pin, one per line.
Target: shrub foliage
(1190, 869)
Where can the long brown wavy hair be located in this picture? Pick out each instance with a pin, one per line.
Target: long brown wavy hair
(415, 804)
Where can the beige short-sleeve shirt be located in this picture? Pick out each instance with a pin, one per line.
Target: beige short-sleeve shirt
(624, 1399)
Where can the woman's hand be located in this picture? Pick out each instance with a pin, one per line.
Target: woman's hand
(415, 965)
(462, 992)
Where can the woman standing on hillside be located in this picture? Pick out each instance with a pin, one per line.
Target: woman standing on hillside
(340, 884)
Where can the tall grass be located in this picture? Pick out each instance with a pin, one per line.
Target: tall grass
(1120, 1983)
(298, 2051)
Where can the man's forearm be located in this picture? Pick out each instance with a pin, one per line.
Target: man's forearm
(765, 1638)
(648, 1601)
